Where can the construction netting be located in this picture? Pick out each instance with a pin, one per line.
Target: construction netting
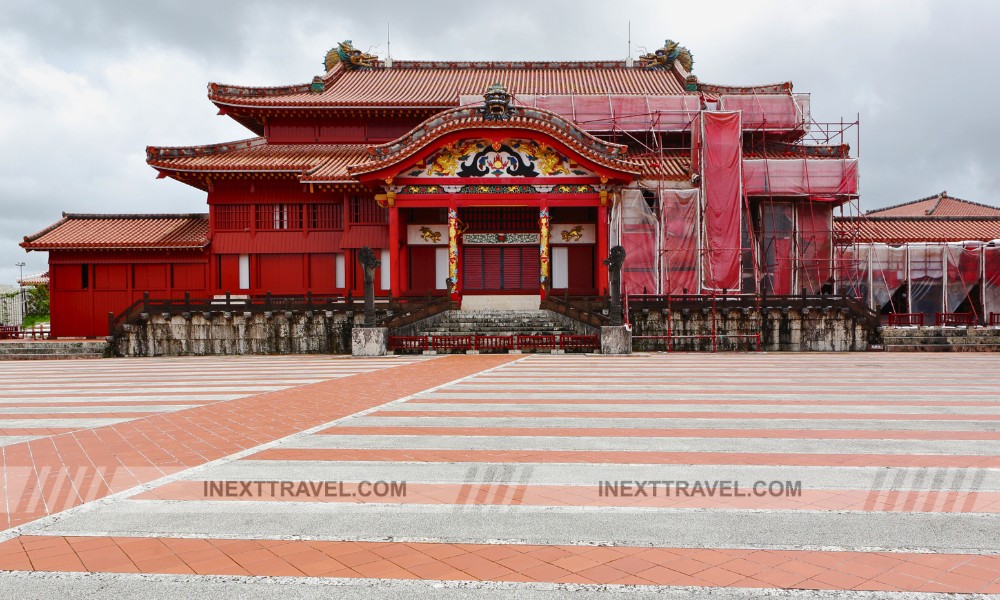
(922, 278)
(769, 111)
(800, 177)
(679, 218)
(640, 231)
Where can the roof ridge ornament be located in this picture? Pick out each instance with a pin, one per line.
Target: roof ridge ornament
(350, 57)
(496, 105)
(664, 57)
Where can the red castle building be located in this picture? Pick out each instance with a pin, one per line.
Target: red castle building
(476, 178)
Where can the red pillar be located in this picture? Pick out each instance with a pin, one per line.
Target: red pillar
(394, 251)
(602, 248)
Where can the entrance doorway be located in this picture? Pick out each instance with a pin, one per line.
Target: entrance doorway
(513, 269)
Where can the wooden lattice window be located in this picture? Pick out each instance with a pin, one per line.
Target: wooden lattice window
(326, 216)
(364, 209)
(279, 216)
(232, 217)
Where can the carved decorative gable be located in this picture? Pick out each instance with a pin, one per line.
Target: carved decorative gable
(507, 158)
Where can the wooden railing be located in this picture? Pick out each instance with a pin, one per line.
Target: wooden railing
(16, 332)
(590, 310)
(966, 319)
(905, 319)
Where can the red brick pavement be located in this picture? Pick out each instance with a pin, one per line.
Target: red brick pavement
(803, 569)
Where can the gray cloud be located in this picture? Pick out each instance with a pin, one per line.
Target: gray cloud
(87, 85)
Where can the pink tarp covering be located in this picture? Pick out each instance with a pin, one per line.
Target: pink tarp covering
(964, 271)
(768, 111)
(679, 257)
(815, 245)
(800, 176)
(777, 228)
(851, 270)
(604, 113)
(720, 179)
(639, 231)
(991, 289)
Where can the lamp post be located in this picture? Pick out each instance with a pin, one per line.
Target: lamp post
(20, 265)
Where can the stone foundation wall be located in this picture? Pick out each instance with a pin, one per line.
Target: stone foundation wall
(782, 329)
(233, 333)
(942, 339)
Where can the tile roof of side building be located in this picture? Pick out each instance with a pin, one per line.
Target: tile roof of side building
(938, 205)
(900, 230)
(122, 232)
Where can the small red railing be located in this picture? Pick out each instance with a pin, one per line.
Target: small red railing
(536, 342)
(494, 342)
(955, 319)
(899, 319)
(16, 332)
(452, 342)
(994, 318)
(418, 342)
(578, 342)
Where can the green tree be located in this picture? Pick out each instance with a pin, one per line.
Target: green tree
(37, 304)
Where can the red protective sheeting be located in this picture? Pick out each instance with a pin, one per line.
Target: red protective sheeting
(679, 214)
(604, 113)
(964, 271)
(815, 245)
(765, 111)
(639, 235)
(777, 227)
(991, 287)
(721, 184)
(800, 176)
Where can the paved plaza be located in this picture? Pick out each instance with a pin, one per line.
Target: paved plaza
(502, 476)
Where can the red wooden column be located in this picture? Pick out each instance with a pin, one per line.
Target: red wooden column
(394, 251)
(602, 248)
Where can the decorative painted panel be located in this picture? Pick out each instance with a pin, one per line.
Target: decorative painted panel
(480, 239)
(577, 233)
(427, 235)
(508, 158)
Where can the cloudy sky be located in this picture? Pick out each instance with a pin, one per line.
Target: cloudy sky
(85, 86)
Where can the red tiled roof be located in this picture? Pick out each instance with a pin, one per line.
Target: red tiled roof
(125, 232)
(673, 165)
(256, 155)
(36, 279)
(439, 84)
(898, 230)
(359, 236)
(938, 205)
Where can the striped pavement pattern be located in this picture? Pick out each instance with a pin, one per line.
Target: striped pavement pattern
(714, 474)
(40, 398)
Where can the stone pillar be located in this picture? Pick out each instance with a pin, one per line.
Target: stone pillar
(543, 251)
(453, 252)
(616, 340)
(369, 341)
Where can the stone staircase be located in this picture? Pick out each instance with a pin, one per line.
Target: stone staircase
(495, 324)
(53, 349)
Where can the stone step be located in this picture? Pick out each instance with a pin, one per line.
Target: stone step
(37, 356)
(52, 349)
